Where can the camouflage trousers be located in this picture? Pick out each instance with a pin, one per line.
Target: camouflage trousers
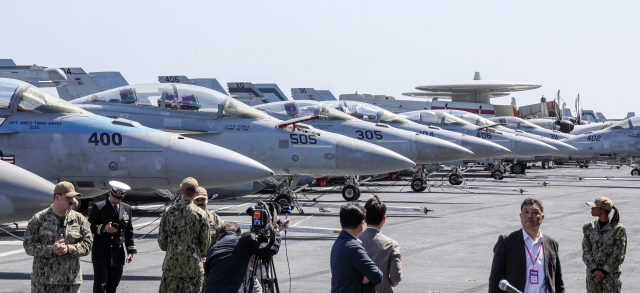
(53, 288)
(611, 284)
(171, 284)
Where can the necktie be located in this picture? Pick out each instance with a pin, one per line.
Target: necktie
(117, 211)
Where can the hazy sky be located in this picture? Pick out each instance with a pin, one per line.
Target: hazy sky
(380, 47)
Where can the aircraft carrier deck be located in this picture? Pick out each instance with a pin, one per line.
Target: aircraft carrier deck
(447, 250)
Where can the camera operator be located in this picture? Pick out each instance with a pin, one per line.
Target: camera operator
(228, 259)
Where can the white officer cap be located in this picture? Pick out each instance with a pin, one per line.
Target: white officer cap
(118, 189)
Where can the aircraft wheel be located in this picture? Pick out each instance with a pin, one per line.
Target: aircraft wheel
(517, 168)
(497, 174)
(350, 193)
(635, 172)
(281, 199)
(455, 179)
(545, 165)
(82, 206)
(417, 185)
(586, 166)
(581, 166)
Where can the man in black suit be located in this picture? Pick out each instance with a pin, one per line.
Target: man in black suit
(351, 268)
(113, 242)
(525, 258)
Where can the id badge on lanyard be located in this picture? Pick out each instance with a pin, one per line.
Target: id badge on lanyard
(533, 274)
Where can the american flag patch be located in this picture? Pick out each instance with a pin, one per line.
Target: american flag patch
(9, 159)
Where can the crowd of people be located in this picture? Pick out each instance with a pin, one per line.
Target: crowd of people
(205, 254)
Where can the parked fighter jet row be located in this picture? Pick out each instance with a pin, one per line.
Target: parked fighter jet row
(153, 135)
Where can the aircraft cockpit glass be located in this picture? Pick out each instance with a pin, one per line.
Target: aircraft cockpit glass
(333, 114)
(35, 100)
(232, 108)
(413, 115)
(175, 96)
(526, 124)
(627, 123)
(7, 88)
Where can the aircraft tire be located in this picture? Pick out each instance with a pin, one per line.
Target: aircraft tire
(417, 185)
(282, 198)
(545, 165)
(518, 168)
(350, 193)
(635, 172)
(455, 179)
(497, 174)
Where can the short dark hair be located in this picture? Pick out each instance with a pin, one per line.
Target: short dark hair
(351, 215)
(532, 201)
(229, 227)
(376, 210)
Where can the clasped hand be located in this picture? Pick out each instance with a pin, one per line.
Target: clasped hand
(60, 248)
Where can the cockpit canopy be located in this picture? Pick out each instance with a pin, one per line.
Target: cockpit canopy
(289, 110)
(31, 99)
(176, 96)
(514, 122)
(367, 112)
(631, 123)
(435, 118)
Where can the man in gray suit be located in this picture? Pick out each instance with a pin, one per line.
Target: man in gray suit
(383, 250)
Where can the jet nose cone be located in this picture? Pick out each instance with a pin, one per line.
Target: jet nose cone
(525, 147)
(359, 157)
(22, 198)
(563, 148)
(483, 148)
(211, 165)
(431, 150)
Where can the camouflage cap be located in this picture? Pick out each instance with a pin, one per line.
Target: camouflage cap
(66, 188)
(202, 193)
(189, 183)
(601, 202)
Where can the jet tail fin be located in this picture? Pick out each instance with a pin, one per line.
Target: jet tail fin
(272, 92)
(108, 79)
(211, 83)
(309, 94)
(78, 84)
(246, 92)
(7, 62)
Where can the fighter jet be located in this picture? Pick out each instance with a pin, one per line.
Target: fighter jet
(618, 144)
(482, 149)
(22, 194)
(62, 142)
(521, 147)
(517, 123)
(290, 148)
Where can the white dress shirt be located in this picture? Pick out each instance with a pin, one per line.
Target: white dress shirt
(534, 246)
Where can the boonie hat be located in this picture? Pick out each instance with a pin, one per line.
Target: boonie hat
(202, 193)
(601, 202)
(66, 188)
(118, 189)
(189, 183)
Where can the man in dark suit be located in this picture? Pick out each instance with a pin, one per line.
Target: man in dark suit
(527, 259)
(384, 251)
(113, 242)
(351, 268)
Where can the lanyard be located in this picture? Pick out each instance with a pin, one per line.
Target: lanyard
(533, 262)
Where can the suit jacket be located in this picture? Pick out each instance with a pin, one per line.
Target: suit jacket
(510, 263)
(349, 264)
(107, 247)
(385, 253)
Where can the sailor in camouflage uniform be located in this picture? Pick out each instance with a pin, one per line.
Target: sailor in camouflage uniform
(57, 237)
(184, 235)
(202, 200)
(603, 248)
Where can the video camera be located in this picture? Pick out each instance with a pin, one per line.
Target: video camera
(263, 220)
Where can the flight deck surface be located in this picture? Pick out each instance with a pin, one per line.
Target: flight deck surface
(447, 250)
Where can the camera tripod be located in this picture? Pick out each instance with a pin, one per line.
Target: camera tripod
(268, 280)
